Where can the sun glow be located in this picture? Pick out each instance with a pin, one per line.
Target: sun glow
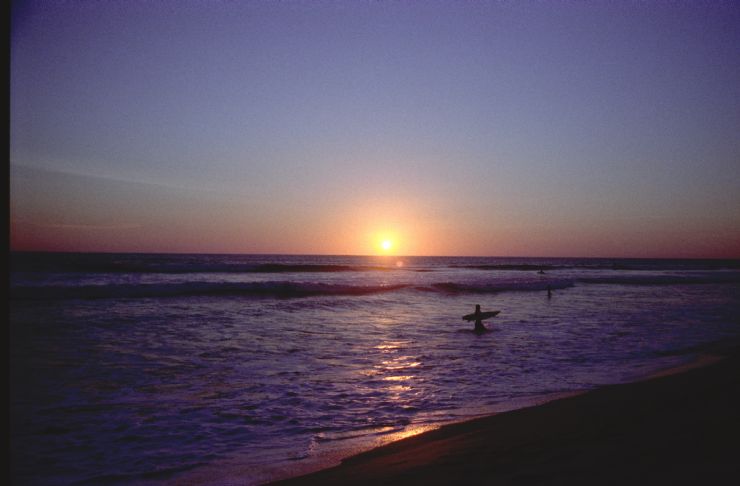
(385, 244)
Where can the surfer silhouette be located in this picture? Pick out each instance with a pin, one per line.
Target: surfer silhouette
(478, 318)
(479, 327)
(549, 292)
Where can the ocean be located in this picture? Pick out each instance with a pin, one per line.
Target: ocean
(239, 369)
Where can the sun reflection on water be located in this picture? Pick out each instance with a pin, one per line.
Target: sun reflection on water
(399, 363)
(399, 388)
(398, 378)
(390, 346)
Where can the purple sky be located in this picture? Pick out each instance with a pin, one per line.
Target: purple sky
(453, 128)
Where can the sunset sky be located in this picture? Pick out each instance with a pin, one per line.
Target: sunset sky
(447, 128)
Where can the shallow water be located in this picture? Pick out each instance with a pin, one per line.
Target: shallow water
(155, 368)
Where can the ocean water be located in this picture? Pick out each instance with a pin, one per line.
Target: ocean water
(238, 369)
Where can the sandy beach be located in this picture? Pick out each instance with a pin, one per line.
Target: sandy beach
(679, 428)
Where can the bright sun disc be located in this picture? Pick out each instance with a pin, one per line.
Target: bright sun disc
(386, 244)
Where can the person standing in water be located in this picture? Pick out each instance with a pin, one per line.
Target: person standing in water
(478, 317)
(479, 327)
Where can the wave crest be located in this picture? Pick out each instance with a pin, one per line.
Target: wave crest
(495, 287)
(266, 289)
(663, 279)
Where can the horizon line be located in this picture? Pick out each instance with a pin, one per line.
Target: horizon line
(105, 252)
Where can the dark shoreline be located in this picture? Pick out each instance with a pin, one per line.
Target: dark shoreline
(678, 429)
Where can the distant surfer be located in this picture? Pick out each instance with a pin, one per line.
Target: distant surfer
(478, 317)
(541, 272)
(549, 292)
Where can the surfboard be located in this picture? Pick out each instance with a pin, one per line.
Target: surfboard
(481, 316)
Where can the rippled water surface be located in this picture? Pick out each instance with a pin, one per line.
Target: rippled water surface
(155, 368)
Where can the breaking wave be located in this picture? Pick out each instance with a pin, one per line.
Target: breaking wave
(293, 289)
(495, 287)
(714, 278)
(266, 289)
(523, 267)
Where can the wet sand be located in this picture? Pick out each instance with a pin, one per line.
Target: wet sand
(677, 429)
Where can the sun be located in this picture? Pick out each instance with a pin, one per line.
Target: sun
(386, 243)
